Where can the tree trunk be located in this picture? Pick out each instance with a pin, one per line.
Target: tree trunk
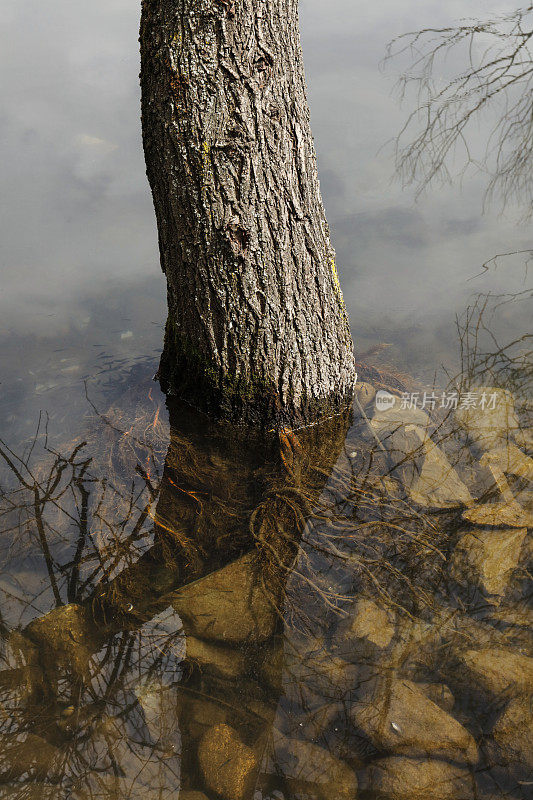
(257, 330)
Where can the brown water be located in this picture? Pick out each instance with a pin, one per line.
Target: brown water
(192, 612)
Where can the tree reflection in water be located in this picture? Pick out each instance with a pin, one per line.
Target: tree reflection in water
(311, 614)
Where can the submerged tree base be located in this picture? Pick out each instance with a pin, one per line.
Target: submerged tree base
(252, 400)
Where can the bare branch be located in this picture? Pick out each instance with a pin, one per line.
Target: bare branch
(496, 83)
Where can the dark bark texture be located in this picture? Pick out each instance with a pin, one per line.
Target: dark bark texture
(257, 330)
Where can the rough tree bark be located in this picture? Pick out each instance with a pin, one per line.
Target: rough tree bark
(257, 329)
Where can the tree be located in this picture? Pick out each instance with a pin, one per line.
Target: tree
(257, 329)
(497, 79)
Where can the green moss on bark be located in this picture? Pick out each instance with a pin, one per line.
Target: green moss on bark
(186, 373)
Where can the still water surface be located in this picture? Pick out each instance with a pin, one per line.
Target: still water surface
(189, 612)
(337, 612)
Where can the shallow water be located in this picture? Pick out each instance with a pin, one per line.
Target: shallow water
(318, 614)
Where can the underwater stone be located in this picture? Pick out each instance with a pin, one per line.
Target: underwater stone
(487, 558)
(417, 779)
(230, 605)
(312, 673)
(308, 768)
(510, 460)
(500, 515)
(224, 661)
(438, 693)
(67, 636)
(368, 621)
(506, 512)
(513, 734)
(399, 718)
(391, 419)
(519, 618)
(30, 675)
(197, 715)
(365, 393)
(310, 725)
(499, 673)
(488, 427)
(426, 473)
(113, 787)
(227, 764)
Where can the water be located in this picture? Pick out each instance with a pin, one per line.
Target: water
(187, 608)
(188, 611)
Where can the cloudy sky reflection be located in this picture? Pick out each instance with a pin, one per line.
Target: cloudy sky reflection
(78, 225)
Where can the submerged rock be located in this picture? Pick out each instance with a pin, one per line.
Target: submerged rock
(365, 393)
(230, 605)
(369, 621)
(28, 677)
(310, 726)
(224, 661)
(227, 764)
(490, 427)
(417, 779)
(520, 616)
(513, 735)
(510, 460)
(499, 673)
(487, 558)
(429, 478)
(505, 512)
(198, 714)
(430, 647)
(311, 770)
(259, 715)
(402, 719)
(141, 786)
(122, 761)
(440, 694)
(311, 673)
(190, 795)
(66, 636)
(391, 419)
